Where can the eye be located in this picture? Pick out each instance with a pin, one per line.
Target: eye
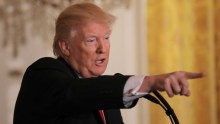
(107, 38)
(91, 41)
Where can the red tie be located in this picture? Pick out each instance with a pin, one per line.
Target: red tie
(102, 115)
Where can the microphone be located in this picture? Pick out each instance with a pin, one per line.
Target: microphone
(164, 104)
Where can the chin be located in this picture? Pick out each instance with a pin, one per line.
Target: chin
(100, 72)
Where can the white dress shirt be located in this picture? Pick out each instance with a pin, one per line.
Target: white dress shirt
(131, 88)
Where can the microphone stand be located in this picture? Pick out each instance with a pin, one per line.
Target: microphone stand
(164, 104)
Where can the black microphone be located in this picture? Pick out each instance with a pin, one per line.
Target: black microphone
(164, 104)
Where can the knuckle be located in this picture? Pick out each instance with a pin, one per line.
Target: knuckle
(185, 84)
(172, 77)
(179, 73)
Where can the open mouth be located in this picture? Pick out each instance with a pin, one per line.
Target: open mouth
(100, 61)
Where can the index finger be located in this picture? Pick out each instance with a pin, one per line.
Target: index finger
(191, 75)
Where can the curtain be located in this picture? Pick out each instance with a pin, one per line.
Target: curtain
(185, 35)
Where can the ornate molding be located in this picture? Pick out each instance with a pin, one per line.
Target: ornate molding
(17, 17)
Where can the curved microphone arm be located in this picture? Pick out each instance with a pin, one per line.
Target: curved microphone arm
(164, 104)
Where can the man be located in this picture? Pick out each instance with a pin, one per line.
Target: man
(70, 88)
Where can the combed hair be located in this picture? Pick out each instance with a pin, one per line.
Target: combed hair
(71, 18)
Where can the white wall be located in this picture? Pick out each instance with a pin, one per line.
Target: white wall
(128, 56)
(128, 52)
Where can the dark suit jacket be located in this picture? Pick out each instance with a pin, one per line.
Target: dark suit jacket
(52, 93)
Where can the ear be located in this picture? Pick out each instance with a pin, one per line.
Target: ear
(64, 47)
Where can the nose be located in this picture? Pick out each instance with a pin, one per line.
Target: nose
(102, 47)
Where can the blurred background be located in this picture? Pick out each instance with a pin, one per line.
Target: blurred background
(149, 37)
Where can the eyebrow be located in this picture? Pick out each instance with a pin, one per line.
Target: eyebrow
(93, 35)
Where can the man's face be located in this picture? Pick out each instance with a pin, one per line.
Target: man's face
(89, 49)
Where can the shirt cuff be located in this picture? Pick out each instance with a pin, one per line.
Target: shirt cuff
(131, 88)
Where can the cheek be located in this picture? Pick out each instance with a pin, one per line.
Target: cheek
(87, 56)
(108, 47)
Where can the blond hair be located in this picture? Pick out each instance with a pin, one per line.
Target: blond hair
(71, 18)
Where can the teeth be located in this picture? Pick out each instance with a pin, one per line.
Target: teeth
(99, 61)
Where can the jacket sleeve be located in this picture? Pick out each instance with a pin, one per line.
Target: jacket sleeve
(53, 91)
